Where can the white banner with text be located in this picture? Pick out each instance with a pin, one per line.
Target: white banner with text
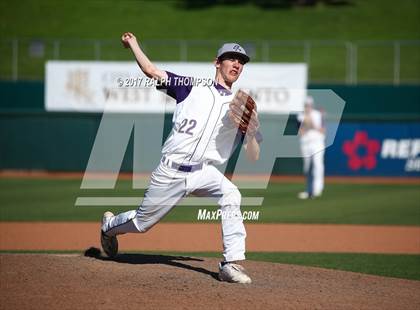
(96, 86)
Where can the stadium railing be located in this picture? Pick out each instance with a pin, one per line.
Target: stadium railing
(344, 62)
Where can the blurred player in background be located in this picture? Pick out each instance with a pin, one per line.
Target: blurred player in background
(312, 143)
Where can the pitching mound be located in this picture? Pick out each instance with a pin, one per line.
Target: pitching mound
(141, 281)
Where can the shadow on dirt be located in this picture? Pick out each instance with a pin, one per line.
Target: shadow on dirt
(152, 259)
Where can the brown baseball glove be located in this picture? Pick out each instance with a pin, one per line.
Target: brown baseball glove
(243, 113)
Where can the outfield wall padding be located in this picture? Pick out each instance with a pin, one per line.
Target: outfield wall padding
(32, 139)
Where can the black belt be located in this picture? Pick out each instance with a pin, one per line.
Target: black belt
(179, 167)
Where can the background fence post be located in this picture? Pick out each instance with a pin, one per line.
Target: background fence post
(15, 60)
(97, 47)
(265, 51)
(183, 50)
(56, 49)
(307, 53)
(354, 62)
(348, 63)
(397, 62)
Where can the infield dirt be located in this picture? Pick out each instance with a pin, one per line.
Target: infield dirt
(189, 237)
(140, 281)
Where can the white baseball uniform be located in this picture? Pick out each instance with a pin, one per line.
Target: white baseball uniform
(202, 135)
(312, 143)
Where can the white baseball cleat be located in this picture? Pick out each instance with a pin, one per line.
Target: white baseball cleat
(234, 273)
(303, 195)
(109, 243)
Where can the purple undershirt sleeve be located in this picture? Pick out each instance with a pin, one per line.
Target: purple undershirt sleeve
(177, 86)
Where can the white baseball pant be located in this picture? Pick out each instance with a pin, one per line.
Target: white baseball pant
(168, 186)
(313, 167)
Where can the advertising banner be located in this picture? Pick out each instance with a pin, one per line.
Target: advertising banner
(375, 149)
(87, 86)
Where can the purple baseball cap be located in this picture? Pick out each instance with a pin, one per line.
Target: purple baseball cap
(233, 48)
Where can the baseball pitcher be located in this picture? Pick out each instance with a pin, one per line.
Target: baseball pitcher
(208, 123)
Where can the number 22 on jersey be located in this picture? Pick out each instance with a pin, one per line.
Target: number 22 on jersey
(190, 124)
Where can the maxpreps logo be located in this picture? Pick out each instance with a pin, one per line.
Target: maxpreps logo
(363, 152)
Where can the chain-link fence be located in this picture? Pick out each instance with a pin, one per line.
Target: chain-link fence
(353, 62)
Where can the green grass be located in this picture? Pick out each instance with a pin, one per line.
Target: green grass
(374, 19)
(387, 265)
(163, 20)
(53, 200)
